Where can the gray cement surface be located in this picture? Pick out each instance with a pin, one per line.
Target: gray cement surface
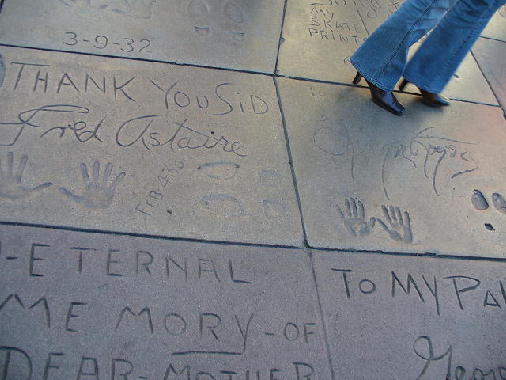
(412, 318)
(174, 222)
(143, 147)
(491, 56)
(234, 33)
(320, 37)
(371, 180)
(496, 28)
(92, 306)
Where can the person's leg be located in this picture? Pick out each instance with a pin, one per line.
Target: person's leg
(435, 62)
(382, 57)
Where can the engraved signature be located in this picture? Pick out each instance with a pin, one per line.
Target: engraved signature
(67, 119)
(424, 349)
(44, 118)
(183, 138)
(433, 151)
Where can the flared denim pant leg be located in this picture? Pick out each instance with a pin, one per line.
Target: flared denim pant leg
(434, 64)
(381, 59)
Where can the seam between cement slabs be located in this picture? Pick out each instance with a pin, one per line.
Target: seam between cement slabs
(493, 39)
(488, 82)
(194, 65)
(313, 80)
(175, 63)
(485, 77)
(281, 39)
(147, 236)
(412, 254)
(322, 319)
(258, 245)
(290, 162)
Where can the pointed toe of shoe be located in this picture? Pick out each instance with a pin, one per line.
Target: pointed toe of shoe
(393, 107)
(387, 101)
(434, 100)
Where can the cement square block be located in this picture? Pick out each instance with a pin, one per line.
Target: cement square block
(468, 83)
(491, 56)
(320, 37)
(94, 306)
(119, 145)
(403, 318)
(429, 181)
(496, 28)
(235, 34)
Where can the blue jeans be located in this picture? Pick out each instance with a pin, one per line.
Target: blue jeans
(455, 25)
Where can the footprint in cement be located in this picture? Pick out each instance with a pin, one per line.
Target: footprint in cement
(222, 205)
(478, 200)
(274, 208)
(219, 169)
(499, 202)
(2, 70)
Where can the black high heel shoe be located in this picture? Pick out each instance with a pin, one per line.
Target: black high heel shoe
(428, 98)
(384, 99)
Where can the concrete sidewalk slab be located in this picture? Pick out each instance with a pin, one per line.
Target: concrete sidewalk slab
(128, 146)
(320, 37)
(234, 34)
(491, 56)
(460, 87)
(393, 317)
(80, 305)
(496, 28)
(371, 180)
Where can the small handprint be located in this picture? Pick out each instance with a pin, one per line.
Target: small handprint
(10, 180)
(98, 192)
(354, 217)
(397, 225)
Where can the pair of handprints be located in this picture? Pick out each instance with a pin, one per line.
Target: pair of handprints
(396, 223)
(98, 191)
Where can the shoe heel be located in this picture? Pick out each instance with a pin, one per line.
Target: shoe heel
(403, 84)
(357, 78)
